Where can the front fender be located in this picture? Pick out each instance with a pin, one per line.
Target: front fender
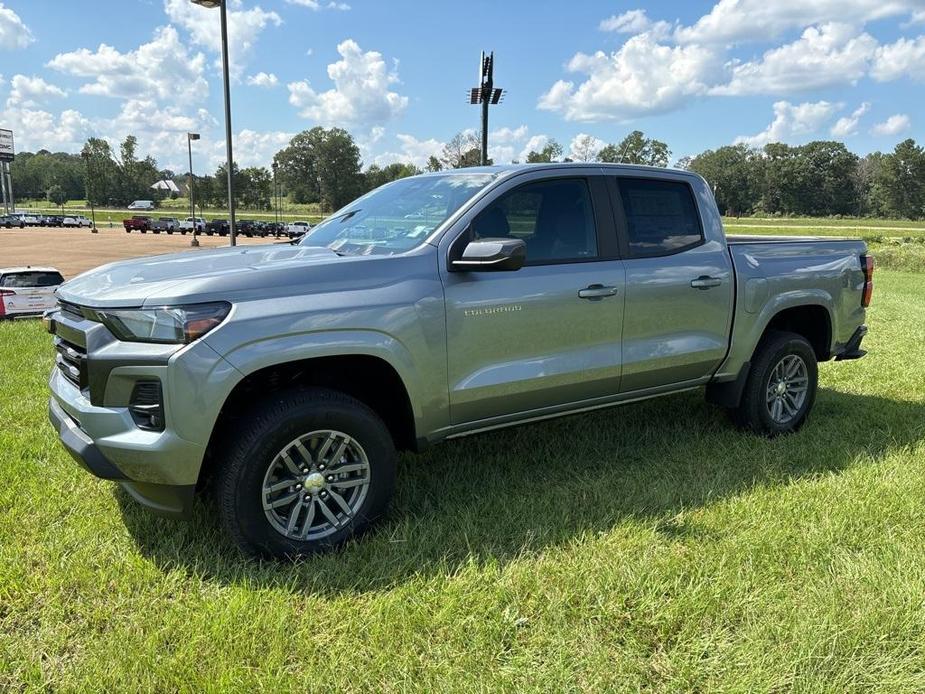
(273, 351)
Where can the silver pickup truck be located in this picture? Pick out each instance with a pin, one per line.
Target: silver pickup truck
(285, 377)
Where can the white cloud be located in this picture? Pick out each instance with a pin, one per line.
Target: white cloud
(792, 122)
(318, 5)
(894, 125)
(162, 68)
(30, 92)
(263, 79)
(413, 151)
(361, 95)
(504, 136)
(742, 20)
(584, 147)
(630, 22)
(847, 126)
(251, 148)
(14, 33)
(642, 77)
(37, 129)
(244, 28)
(823, 56)
(905, 57)
(534, 144)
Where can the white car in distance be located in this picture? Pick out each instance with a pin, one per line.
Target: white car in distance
(28, 291)
(76, 221)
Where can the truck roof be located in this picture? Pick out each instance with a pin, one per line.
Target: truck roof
(509, 169)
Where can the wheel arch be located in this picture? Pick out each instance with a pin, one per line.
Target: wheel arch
(369, 378)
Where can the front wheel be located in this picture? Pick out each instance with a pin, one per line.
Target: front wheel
(306, 471)
(781, 386)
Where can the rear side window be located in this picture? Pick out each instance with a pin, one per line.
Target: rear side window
(661, 217)
(31, 279)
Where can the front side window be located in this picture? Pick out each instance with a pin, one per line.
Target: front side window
(661, 216)
(554, 218)
(398, 216)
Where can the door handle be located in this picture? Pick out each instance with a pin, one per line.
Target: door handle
(596, 291)
(705, 282)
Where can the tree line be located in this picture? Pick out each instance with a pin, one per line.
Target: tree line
(324, 166)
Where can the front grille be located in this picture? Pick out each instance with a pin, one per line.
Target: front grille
(71, 360)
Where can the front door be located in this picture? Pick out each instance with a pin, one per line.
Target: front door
(549, 333)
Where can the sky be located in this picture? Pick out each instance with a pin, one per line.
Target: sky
(396, 74)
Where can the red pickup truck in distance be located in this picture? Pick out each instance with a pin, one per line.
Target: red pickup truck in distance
(137, 223)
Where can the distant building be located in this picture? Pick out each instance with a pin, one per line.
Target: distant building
(167, 186)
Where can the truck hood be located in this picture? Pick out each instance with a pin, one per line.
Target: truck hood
(195, 276)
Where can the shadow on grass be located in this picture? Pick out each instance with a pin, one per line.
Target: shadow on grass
(498, 496)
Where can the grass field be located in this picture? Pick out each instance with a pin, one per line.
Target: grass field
(650, 547)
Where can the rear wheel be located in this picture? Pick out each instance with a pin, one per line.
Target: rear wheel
(781, 386)
(307, 471)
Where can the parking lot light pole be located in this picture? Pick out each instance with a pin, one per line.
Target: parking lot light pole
(221, 4)
(86, 156)
(192, 203)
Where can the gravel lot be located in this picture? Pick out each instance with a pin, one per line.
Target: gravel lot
(73, 251)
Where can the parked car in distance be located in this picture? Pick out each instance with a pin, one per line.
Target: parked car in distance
(137, 223)
(54, 221)
(217, 226)
(9, 221)
(76, 221)
(289, 376)
(188, 223)
(142, 205)
(26, 219)
(294, 229)
(251, 227)
(167, 224)
(27, 291)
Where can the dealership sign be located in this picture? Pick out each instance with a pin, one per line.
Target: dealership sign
(6, 145)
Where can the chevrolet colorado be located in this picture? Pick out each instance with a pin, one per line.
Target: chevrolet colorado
(285, 377)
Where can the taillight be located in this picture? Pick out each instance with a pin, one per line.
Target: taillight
(867, 265)
(3, 294)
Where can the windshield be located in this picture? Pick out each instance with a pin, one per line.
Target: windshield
(396, 217)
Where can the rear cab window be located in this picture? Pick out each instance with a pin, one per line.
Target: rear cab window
(31, 279)
(661, 217)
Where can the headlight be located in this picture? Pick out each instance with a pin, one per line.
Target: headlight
(163, 324)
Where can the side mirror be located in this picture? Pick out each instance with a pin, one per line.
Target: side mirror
(492, 254)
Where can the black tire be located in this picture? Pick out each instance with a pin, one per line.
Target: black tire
(266, 430)
(754, 412)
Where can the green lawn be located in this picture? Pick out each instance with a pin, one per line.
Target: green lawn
(650, 547)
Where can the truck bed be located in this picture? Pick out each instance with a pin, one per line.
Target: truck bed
(738, 239)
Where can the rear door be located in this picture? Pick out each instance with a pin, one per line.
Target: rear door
(679, 283)
(29, 291)
(548, 334)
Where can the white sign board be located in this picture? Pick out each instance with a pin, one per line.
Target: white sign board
(6, 145)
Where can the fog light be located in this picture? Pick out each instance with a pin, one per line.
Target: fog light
(146, 406)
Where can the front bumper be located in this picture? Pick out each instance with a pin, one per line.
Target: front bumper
(174, 501)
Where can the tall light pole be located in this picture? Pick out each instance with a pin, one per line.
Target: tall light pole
(275, 201)
(486, 94)
(192, 203)
(87, 176)
(221, 4)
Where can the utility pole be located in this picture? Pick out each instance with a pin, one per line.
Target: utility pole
(192, 204)
(486, 95)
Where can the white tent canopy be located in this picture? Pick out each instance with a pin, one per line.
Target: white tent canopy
(166, 185)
